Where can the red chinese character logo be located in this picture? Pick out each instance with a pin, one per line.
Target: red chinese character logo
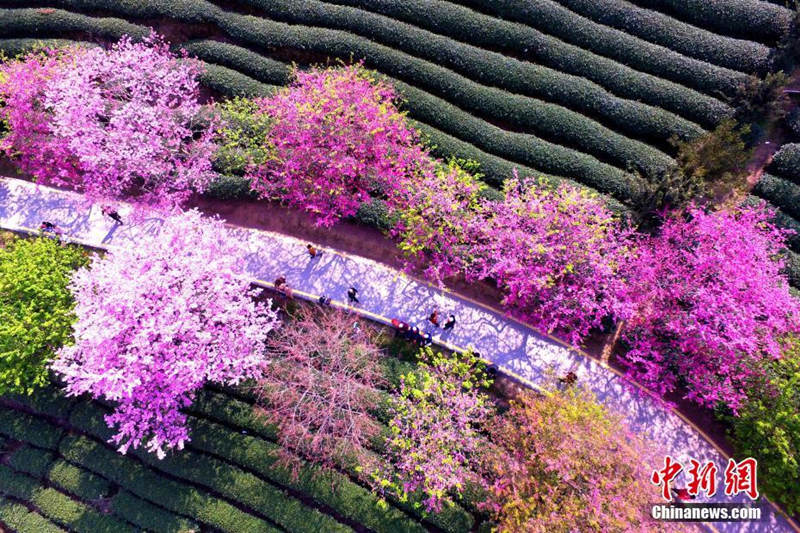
(704, 478)
(741, 477)
(665, 475)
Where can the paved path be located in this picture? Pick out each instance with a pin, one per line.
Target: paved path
(515, 348)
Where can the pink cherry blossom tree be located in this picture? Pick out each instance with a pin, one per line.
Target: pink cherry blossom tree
(122, 122)
(320, 385)
(556, 255)
(436, 429)
(437, 213)
(711, 304)
(337, 137)
(156, 322)
(563, 454)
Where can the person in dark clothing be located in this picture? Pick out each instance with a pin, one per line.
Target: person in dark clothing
(569, 379)
(112, 214)
(425, 339)
(279, 282)
(311, 251)
(434, 318)
(450, 322)
(401, 329)
(352, 295)
(324, 300)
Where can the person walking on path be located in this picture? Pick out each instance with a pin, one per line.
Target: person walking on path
(279, 282)
(434, 318)
(450, 322)
(312, 252)
(569, 379)
(111, 213)
(352, 295)
(324, 300)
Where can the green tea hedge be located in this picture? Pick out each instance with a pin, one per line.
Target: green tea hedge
(20, 519)
(786, 162)
(753, 19)
(552, 18)
(781, 193)
(736, 54)
(488, 68)
(529, 44)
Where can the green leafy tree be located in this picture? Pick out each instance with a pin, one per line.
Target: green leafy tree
(35, 309)
(768, 429)
(243, 136)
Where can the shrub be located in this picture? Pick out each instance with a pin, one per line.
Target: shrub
(786, 162)
(156, 322)
(564, 454)
(557, 20)
(174, 495)
(516, 147)
(437, 420)
(463, 24)
(337, 137)
(35, 309)
(436, 217)
(230, 188)
(710, 304)
(32, 22)
(148, 516)
(87, 118)
(753, 19)
(374, 213)
(231, 83)
(318, 387)
(744, 56)
(768, 429)
(489, 68)
(18, 517)
(57, 506)
(556, 256)
(554, 122)
(243, 137)
(257, 66)
(781, 193)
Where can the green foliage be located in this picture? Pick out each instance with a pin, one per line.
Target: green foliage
(768, 429)
(26, 428)
(375, 213)
(230, 188)
(718, 158)
(748, 19)
(261, 68)
(761, 99)
(557, 20)
(20, 519)
(57, 506)
(32, 22)
(231, 83)
(494, 33)
(786, 162)
(486, 67)
(782, 193)
(149, 516)
(173, 495)
(35, 309)
(744, 56)
(243, 136)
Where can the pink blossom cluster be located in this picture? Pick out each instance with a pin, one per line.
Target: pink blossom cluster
(120, 122)
(337, 138)
(711, 304)
(156, 322)
(556, 255)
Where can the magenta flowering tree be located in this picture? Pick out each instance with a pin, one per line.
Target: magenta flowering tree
(437, 213)
(711, 304)
(556, 255)
(155, 323)
(337, 137)
(436, 439)
(113, 123)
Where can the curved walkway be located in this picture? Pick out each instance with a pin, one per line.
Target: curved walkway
(385, 293)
